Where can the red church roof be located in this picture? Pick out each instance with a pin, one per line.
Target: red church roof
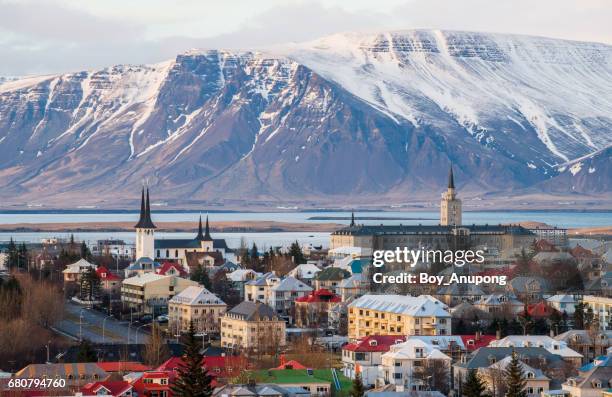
(320, 295)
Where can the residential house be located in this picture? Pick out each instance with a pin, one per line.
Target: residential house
(252, 325)
(115, 388)
(500, 305)
(588, 343)
(260, 289)
(602, 308)
(74, 271)
(528, 289)
(284, 294)
(554, 346)
(563, 303)
(75, 374)
(141, 266)
(397, 315)
(593, 379)
(240, 277)
(149, 293)
(330, 279)
(110, 282)
(404, 363)
(365, 355)
(353, 287)
(198, 305)
(456, 293)
(311, 310)
(451, 345)
(154, 384)
(305, 272)
(536, 382)
(172, 269)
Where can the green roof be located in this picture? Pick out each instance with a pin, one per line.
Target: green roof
(300, 376)
(332, 273)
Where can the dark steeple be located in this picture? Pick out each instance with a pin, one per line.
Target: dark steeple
(207, 232)
(451, 179)
(145, 221)
(353, 218)
(200, 236)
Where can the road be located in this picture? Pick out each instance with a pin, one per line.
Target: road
(89, 326)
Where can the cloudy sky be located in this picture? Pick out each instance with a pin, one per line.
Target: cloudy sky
(48, 36)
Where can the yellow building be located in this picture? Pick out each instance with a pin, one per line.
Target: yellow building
(149, 293)
(197, 304)
(397, 315)
(252, 325)
(602, 308)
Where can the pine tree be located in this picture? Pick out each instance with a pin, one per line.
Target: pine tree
(200, 275)
(296, 254)
(85, 252)
(579, 316)
(473, 385)
(514, 378)
(90, 285)
(358, 389)
(192, 379)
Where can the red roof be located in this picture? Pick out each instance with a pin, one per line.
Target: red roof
(166, 266)
(471, 343)
(375, 343)
(291, 364)
(320, 295)
(218, 366)
(539, 310)
(123, 366)
(114, 388)
(106, 275)
(580, 252)
(142, 388)
(545, 246)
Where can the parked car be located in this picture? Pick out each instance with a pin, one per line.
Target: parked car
(162, 318)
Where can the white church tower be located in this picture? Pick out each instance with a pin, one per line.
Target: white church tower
(450, 206)
(145, 230)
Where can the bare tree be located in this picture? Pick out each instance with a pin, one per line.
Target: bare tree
(156, 350)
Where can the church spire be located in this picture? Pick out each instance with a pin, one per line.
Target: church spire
(200, 236)
(451, 178)
(145, 221)
(207, 231)
(352, 218)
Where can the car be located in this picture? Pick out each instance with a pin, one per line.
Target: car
(146, 318)
(162, 318)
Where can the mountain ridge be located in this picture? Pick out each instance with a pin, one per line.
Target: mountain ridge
(340, 118)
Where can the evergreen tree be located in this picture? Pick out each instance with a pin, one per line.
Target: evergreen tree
(473, 385)
(514, 378)
(90, 285)
(579, 316)
(192, 380)
(200, 275)
(295, 252)
(86, 354)
(358, 389)
(85, 252)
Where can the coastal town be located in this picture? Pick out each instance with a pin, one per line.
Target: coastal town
(162, 316)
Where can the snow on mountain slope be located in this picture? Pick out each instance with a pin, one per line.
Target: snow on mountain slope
(559, 88)
(355, 116)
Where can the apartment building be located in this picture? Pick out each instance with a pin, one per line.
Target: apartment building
(397, 315)
(197, 304)
(260, 289)
(284, 294)
(365, 355)
(602, 308)
(149, 293)
(252, 325)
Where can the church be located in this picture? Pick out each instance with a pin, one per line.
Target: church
(150, 249)
(450, 233)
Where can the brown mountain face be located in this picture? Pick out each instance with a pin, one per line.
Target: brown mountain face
(224, 128)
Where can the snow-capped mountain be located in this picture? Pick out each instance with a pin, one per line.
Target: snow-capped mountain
(350, 117)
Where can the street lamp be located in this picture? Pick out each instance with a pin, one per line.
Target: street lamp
(137, 328)
(103, 323)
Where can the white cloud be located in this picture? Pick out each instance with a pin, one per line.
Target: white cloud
(61, 35)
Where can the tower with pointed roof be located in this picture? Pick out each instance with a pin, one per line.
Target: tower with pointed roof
(206, 241)
(145, 229)
(450, 206)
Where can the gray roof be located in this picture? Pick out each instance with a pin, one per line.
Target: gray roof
(252, 311)
(262, 389)
(169, 243)
(524, 284)
(292, 284)
(481, 358)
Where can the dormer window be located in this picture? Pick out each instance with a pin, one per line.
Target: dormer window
(373, 342)
(530, 375)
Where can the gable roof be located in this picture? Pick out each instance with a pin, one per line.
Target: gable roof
(375, 343)
(105, 275)
(292, 284)
(196, 295)
(252, 311)
(420, 306)
(332, 273)
(481, 357)
(167, 266)
(113, 388)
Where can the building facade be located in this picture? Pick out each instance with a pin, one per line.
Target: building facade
(149, 293)
(450, 206)
(252, 325)
(198, 305)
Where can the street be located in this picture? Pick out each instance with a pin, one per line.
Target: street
(99, 328)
